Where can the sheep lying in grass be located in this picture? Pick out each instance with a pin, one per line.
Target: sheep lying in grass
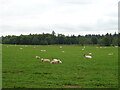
(43, 50)
(83, 49)
(60, 46)
(62, 51)
(55, 61)
(90, 53)
(87, 56)
(45, 60)
(110, 54)
(37, 57)
(21, 48)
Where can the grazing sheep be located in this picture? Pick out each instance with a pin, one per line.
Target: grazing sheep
(90, 53)
(110, 54)
(60, 46)
(83, 49)
(21, 48)
(43, 50)
(87, 56)
(56, 61)
(63, 51)
(37, 57)
(45, 60)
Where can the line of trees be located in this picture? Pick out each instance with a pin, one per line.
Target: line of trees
(50, 39)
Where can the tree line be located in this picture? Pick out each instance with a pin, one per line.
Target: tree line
(51, 39)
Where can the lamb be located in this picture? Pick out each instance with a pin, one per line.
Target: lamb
(110, 54)
(63, 51)
(83, 49)
(37, 57)
(45, 60)
(87, 56)
(90, 53)
(60, 46)
(43, 50)
(55, 61)
(21, 48)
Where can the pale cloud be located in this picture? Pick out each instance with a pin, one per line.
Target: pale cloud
(63, 16)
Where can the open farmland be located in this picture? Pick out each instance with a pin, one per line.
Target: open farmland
(22, 70)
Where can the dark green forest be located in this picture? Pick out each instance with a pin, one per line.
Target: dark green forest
(53, 38)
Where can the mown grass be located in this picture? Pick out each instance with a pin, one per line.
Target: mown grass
(21, 70)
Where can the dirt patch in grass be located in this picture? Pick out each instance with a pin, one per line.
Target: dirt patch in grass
(19, 72)
(72, 86)
(42, 73)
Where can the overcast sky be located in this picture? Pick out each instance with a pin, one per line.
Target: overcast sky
(63, 16)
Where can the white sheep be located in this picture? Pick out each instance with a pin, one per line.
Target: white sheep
(45, 60)
(21, 48)
(63, 51)
(110, 54)
(87, 56)
(60, 46)
(90, 53)
(37, 57)
(43, 50)
(83, 49)
(55, 61)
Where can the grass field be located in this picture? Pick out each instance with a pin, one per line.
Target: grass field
(21, 70)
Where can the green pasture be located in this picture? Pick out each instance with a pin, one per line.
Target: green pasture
(20, 68)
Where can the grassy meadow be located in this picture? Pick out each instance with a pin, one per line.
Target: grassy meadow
(20, 68)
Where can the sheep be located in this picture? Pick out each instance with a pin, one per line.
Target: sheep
(55, 62)
(110, 54)
(60, 46)
(54, 59)
(90, 53)
(43, 50)
(83, 49)
(63, 51)
(37, 57)
(45, 60)
(21, 48)
(87, 56)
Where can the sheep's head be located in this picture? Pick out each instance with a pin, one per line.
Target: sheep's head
(59, 61)
(42, 59)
